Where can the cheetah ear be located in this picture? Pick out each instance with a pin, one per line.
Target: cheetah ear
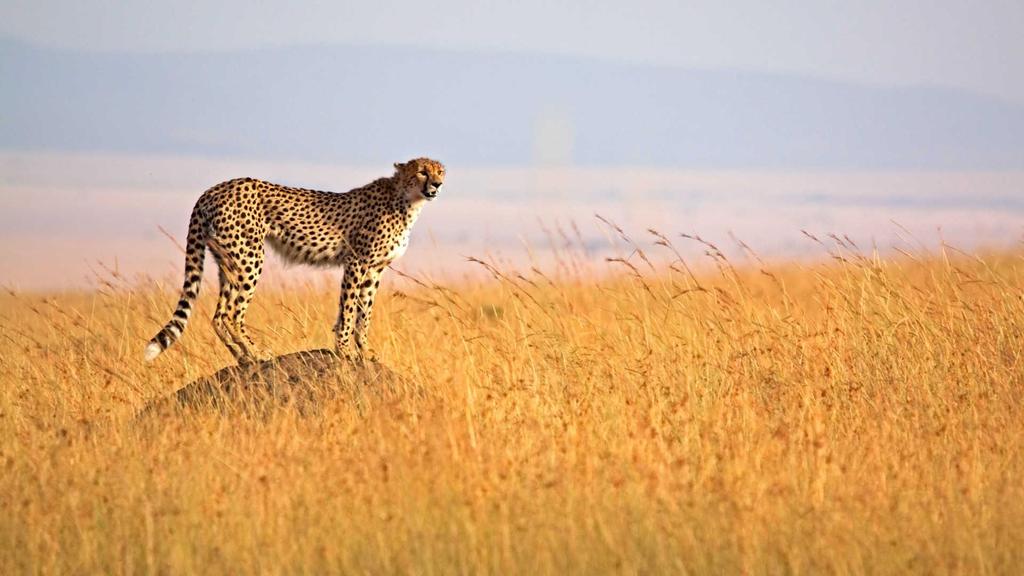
(398, 166)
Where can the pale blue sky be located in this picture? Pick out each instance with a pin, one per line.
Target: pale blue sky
(977, 46)
(763, 118)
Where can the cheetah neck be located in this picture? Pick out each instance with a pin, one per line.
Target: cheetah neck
(412, 212)
(407, 207)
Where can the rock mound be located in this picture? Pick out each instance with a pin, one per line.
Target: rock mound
(301, 379)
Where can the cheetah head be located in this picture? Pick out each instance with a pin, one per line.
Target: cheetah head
(420, 179)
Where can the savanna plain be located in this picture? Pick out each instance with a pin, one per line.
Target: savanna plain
(644, 414)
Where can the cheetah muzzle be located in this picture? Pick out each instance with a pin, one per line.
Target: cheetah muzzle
(362, 231)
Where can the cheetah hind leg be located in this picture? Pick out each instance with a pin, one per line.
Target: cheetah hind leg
(229, 320)
(253, 352)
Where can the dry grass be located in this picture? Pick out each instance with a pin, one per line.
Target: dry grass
(856, 416)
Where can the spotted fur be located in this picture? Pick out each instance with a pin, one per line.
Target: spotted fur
(362, 230)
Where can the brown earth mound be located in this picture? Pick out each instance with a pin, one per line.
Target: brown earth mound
(302, 379)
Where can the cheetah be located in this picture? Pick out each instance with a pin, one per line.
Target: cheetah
(362, 231)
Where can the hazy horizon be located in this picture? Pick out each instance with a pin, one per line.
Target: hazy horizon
(66, 216)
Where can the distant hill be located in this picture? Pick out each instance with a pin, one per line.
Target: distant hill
(358, 104)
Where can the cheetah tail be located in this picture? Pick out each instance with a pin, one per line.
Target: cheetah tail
(195, 253)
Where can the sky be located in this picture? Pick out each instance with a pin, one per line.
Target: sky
(976, 46)
(889, 121)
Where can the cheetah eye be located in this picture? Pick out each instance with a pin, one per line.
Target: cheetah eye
(422, 173)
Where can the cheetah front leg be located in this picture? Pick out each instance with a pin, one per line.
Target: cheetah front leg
(364, 311)
(347, 306)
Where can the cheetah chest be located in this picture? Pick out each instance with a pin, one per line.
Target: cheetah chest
(400, 244)
(399, 247)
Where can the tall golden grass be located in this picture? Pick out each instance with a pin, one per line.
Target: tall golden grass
(854, 415)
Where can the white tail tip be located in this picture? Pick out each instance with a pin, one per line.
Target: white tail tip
(152, 351)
